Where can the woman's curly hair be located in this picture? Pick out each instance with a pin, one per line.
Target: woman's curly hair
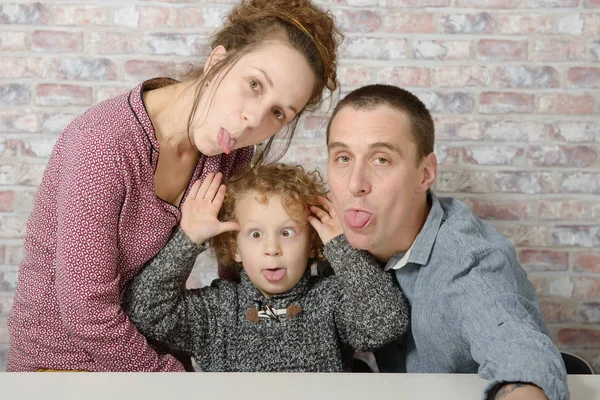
(299, 190)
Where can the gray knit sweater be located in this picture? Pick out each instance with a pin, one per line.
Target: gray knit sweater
(361, 307)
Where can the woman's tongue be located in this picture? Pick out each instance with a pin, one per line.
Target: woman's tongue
(357, 219)
(224, 141)
(273, 274)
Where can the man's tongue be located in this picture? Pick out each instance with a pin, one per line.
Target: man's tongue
(357, 219)
(224, 141)
(274, 274)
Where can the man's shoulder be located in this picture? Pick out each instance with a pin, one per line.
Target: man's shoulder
(464, 234)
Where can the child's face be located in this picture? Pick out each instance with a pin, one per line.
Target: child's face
(273, 247)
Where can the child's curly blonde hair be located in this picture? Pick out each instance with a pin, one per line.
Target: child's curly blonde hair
(299, 190)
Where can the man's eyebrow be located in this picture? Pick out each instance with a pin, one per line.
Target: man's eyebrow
(386, 145)
(270, 82)
(337, 145)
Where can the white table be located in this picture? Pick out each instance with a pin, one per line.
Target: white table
(165, 386)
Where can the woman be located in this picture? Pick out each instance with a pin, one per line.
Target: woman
(112, 190)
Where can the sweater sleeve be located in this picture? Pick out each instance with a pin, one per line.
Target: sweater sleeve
(87, 280)
(372, 311)
(162, 309)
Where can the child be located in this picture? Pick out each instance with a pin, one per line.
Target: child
(279, 317)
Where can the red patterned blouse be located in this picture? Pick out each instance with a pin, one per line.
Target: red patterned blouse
(96, 222)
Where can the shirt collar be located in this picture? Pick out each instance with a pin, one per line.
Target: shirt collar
(419, 251)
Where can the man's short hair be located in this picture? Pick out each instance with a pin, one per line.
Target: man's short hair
(371, 96)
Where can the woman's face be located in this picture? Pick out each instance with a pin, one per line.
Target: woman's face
(253, 100)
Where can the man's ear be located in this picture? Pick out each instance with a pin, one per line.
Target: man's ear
(215, 56)
(429, 167)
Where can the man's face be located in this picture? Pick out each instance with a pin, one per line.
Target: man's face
(374, 178)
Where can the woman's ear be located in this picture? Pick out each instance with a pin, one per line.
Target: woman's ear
(218, 54)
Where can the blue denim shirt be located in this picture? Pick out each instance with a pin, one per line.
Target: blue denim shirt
(472, 307)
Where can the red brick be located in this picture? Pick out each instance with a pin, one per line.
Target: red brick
(25, 14)
(524, 235)
(56, 41)
(591, 25)
(492, 155)
(18, 121)
(574, 131)
(523, 182)
(204, 17)
(463, 181)
(556, 311)
(420, 3)
(564, 210)
(15, 254)
(374, 48)
(503, 102)
(501, 50)
(447, 155)
(21, 174)
(105, 93)
(576, 236)
(7, 201)
(557, 50)
(10, 147)
(82, 16)
(404, 22)
(580, 77)
(459, 76)
(175, 44)
(448, 102)
(517, 131)
(405, 76)
(477, 23)
(21, 67)
(151, 17)
(589, 312)
(61, 95)
(13, 41)
(55, 122)
(539, 284)
(593, 49)
(8, 278)
(13, 94)
(523, 76)
(355, 75)
(126, 16)
(517, 24)
(501, 210)
(441, 50)
(552, 3)
(544, 260)
(571, 24)
(591, 3)
(141, 70)
(586, 288)
(562, 156)
(580, 182)
(566, 104)
(79, 68)
(586, 261)
(25, 200)
(113, 43)
(453, 128)
(485, 4)
(358, 20)
(5, 305)
(13, 225)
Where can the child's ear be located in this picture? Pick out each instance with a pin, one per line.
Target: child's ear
(235, 252)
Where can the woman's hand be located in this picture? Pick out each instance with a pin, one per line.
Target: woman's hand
(200, 210)
(326, 222)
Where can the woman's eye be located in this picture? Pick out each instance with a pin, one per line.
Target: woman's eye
(287, 233)
(255, 234)
(279, 114)
(254, 85)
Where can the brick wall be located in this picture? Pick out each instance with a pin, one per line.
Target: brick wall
(514, 86)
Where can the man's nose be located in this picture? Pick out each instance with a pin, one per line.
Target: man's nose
(359, 183)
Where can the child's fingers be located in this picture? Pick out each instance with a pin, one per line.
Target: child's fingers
(214, 186)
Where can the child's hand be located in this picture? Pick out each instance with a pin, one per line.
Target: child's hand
(201, 208)
(326, 223)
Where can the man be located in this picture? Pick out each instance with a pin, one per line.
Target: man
(472, 307)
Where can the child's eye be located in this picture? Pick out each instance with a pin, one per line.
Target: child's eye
(255, 234)
(287, 233)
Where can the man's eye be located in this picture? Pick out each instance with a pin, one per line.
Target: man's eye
(287, 233)
(381, 160)
(343, 159)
